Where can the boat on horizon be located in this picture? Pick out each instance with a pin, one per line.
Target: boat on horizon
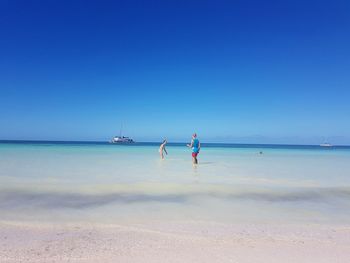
(121, 138)
(326, 144)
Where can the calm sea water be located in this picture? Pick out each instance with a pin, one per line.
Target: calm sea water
(110, 183)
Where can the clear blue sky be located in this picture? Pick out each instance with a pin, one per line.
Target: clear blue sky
(233, 71)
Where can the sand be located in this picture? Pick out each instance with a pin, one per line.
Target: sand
(178, 241)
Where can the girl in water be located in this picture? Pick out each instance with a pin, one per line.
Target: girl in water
(162, 148)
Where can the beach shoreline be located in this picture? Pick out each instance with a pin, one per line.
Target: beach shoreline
(174, 241)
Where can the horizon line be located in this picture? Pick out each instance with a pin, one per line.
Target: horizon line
(106, 141)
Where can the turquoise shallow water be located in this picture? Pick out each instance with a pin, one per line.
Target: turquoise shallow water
(103, 182)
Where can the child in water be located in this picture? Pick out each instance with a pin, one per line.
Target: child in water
(162, 148)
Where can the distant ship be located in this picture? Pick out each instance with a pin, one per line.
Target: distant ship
(326, 144)
(121, 139)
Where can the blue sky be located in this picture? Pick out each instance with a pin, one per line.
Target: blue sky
(233, 71)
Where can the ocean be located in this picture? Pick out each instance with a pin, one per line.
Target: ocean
(102, 182)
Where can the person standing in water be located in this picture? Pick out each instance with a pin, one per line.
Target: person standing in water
(196, 146)
(162, 148)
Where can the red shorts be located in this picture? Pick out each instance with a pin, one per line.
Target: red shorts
(194, 154)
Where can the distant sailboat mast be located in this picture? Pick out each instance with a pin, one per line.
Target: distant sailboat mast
(121, 130)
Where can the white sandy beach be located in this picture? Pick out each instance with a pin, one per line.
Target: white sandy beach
(180, 241)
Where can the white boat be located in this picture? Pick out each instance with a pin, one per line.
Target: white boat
(326, 144)
(121, 139)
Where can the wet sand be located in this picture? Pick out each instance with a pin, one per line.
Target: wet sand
(178, 241)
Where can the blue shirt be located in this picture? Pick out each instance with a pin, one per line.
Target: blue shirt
(195, 146)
